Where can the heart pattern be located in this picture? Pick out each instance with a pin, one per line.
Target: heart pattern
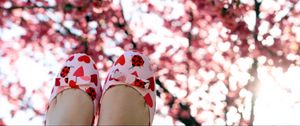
(121, 60)
(135, 74)
(94, 79)
(152, 84)
(79, 72)
(148, 100)
(57, 82)
(84, 58)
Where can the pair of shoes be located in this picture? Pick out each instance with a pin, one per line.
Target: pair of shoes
(132, 69)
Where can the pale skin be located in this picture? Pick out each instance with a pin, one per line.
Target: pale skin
(121, 105)
(72, 106)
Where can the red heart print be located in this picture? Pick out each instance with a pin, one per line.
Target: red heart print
(71, 58)
(148, 100)
(72, 84)
(57, 81)
(121, 60)
(84, 58)
(94, 79)
(79, 72)
(151, 86)
(135, 74)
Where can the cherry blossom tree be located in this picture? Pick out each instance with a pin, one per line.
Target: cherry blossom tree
(207, 52)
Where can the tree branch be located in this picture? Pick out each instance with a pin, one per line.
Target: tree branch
(188, 51)
(27, 7)
(252, 87)
(126, 28)
(190, 121)
(252, 84)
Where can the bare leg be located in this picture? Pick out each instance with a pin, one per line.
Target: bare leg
(123, 105)
(72, 107)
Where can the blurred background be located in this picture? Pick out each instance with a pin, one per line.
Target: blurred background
(219, 62)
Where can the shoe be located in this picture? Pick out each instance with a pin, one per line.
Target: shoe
(134, 69)
(79, 72)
